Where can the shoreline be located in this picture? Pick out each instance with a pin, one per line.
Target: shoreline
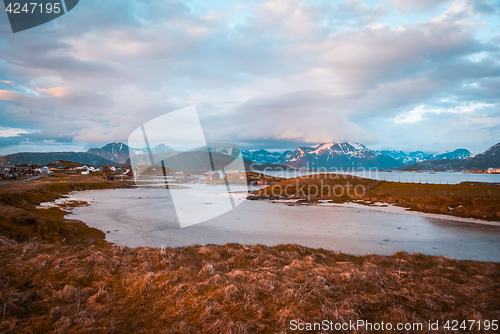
(355, 204)
(389, 208)
(353, 230)
(465, 200)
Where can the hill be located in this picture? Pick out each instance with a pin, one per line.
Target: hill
(46, 158)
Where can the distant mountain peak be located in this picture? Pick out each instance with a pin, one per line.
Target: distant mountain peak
(117, 152)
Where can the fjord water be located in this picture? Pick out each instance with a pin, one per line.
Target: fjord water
(146, 217)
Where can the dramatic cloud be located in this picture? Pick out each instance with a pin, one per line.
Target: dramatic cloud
(418, 5)
(273, 74)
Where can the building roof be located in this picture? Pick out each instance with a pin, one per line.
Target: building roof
(233, 171)
(213, 172)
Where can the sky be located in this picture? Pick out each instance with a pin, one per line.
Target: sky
(392, 74)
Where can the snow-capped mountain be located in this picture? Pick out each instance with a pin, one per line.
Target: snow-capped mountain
(263, 157)
(226, 149)
(338, 155)
(327, 155)
(406, 158)
(346, 155)
(460, 153)
(160, 148)
(488, 159)
(419, 156)
(156, 149)
(119, 152)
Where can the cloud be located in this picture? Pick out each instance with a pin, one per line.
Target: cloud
(418, 5)
(12, 132)
(285, 72)
(419, 113)
(8, 95)
(55, 91)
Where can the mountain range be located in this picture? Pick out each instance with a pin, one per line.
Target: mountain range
(347, 155)
(120, 153)
(327, 155)
(488, 159)
(419, 156)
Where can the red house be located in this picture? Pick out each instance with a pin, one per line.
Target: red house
(213, 175)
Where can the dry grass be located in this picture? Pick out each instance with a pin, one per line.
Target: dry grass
(20, 220)
(231, 288)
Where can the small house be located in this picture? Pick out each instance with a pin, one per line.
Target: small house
(111, 177)
(5, 170)
(212, 175)
(179, 175)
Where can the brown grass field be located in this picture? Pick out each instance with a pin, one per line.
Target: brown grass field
(59, 276)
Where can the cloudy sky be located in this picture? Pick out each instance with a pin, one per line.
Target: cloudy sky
(393, 74)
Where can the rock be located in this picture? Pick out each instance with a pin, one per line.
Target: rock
(69, 292)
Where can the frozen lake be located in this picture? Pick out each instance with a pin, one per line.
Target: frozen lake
(146, 217)
(407, 177)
